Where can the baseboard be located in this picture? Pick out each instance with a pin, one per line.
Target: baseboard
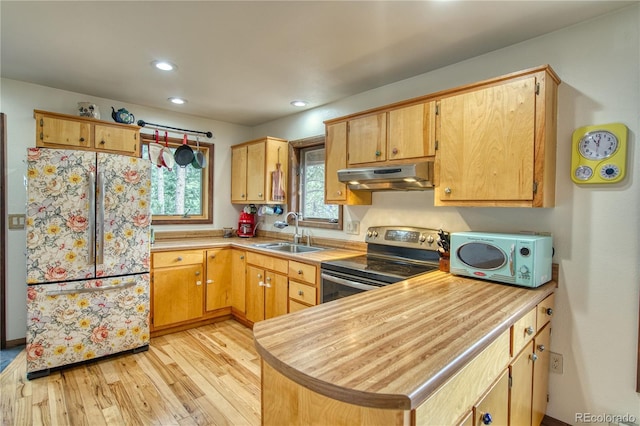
(16, 342)
(550, 421)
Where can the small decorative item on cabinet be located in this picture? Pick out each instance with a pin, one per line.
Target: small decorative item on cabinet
(122, 116)
(87, 109)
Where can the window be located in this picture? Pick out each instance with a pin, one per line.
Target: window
(307, 171)
(184, 194)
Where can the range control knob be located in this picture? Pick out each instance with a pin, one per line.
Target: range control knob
(430, 239)
(524, 251)
(524, 270)
(375, 234)
(422, 238)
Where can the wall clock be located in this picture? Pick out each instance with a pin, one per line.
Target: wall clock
(599, 153)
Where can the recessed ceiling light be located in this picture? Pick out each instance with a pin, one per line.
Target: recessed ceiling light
(177, 101)
(164, 65)
(299, 103)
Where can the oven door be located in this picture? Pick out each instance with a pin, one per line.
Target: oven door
(336, 285)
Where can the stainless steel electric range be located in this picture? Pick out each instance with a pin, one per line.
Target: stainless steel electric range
(394, 253)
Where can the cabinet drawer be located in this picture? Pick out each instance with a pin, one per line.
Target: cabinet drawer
(302, 271)
(268, 262)
(302, 292)
(177, 258)
(295, 306)
(523, 331)
(545, 311)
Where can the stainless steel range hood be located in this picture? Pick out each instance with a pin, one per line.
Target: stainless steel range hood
(403, 177)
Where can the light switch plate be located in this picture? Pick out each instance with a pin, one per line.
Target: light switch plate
(16, 221)
(352, 227)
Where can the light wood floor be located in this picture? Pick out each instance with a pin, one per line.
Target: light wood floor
(208, 375)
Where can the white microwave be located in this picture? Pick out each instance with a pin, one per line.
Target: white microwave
(519, 259)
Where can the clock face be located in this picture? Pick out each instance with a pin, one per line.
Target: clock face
(598, 145)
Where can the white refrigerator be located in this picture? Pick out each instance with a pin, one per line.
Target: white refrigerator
(88, 257)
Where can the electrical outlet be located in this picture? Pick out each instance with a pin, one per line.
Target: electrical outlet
(16, 221)
(555, 363)
(352, 227)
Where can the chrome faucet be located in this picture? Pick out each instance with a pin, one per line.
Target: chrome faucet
(297, 216)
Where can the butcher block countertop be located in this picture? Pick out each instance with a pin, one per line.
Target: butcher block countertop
(392, 347)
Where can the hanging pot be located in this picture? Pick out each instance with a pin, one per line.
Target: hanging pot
(166, 156)
(199, 160)
(184, 153)
(155, 152)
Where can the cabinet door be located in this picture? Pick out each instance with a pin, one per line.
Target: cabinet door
(276, 295)
(239, 174)
(335, 159)
(238, 280)
(218, 279)
(177, 294)
(367, 139)
(58, 131)
(256, 172)
(487, 142)
(255, 293)
(412, 131)
(521, 371)
(541, 375)
(494, 407)
(117, 139)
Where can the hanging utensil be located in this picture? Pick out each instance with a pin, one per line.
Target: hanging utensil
(277, 177)
(199, 160)
(184, 153)
(166, 155)
(155, 150)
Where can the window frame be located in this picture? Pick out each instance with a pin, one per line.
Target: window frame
(295, 198)
(207, 184)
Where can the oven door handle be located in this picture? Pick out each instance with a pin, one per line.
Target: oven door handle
(348, 283)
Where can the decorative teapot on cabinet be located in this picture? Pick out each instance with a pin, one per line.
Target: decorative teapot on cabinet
(122, 116)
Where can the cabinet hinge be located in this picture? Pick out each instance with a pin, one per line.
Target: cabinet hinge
(436, 148)
(510, 381)
(535, 187)
(537, 88)
(547, 397)
(437, 109)
(41, 136)
(41, 122)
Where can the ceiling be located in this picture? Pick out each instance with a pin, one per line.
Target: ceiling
(244, 61)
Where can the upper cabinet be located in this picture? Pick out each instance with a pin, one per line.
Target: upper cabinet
(398, 134)
(497, 143)
(493, 142)
(65, 131)
(259, 171)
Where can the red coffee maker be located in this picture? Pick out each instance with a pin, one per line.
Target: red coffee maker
(246, 225)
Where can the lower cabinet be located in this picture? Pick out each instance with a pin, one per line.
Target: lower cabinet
(493, 408)
(177, 289)
(218, 279)
(266, 294)
(238, 278)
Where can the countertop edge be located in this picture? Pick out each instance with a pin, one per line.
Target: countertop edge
(415, 398)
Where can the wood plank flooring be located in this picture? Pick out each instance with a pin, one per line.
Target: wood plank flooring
(204, 376)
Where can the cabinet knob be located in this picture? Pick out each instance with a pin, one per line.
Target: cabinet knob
(549, 311)
(260, 194)
(378, 153)
(102, 142)
(179, 259)
(197, 273)
(241, 257)
(487, 419)
(541, 348)
(81, 139)
(260, 276)
(198, 282)
(339, 192)
(529, 330)
(241, 195)
(533, 357)
(447, 190)
(299, 271)
(209, 281)
(394, 151)
(213, 256)
(300, 293)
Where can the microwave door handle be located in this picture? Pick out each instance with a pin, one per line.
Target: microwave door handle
(347, 283)
(512, 267)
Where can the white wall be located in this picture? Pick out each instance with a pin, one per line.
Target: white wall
(18, 101)
(595, 228)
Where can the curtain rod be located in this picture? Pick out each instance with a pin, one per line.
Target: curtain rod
(142, 123)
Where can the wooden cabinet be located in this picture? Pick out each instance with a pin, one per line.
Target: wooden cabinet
(177, 288)
(398, 134)
(493, 408)
(252, 164)
(337, 192)
(266, 287)
(497, 143)
(238, 278)
(64, 131)
(218, 290)
(302, 285)
(521, 372)
(540, 375)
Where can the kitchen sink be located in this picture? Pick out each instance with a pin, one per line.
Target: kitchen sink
(289, 247)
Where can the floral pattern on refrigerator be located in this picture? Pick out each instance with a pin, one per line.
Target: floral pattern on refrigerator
(82, 320)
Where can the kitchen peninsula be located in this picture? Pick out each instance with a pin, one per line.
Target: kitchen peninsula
(428, 350)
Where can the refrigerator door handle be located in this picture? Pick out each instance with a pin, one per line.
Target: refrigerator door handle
(92, 219)
(91, 289)
(100, 255)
